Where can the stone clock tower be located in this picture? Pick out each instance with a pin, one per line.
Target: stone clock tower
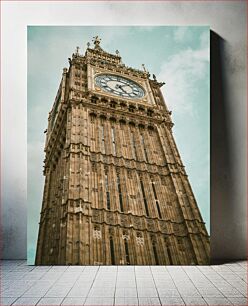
(116, 191)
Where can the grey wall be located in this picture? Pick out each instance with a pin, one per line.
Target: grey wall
(227, 20)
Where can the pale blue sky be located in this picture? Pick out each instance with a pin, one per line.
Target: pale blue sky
(178, 56)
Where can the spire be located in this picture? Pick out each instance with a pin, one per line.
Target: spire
(96, 40)
(77, 50)
(145, 70)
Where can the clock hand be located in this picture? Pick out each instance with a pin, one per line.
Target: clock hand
(120, 87)
(123, 90)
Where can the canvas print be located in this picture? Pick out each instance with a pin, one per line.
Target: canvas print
(125, 148)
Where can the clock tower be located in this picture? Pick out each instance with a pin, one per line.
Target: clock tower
(116, 191)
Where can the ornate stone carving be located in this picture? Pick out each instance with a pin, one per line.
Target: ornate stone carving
(163, 226)
(125, 235)
(150, 225)
(97, 234)
(136, 222)
(139, 239)
(96, 216)
(124, 220)
(109, 217)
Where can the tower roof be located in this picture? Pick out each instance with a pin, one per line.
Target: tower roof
(98, 51)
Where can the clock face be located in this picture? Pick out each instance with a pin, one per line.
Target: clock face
(119, 86)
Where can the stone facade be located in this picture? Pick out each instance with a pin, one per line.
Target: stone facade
(116, 191)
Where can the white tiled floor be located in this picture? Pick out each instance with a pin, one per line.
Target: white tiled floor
(119, 285)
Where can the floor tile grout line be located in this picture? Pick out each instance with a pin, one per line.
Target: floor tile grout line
(73, 285)
(231, 271)
(40, 276)
(175, 285)
(21, 296)
(204, 298)
(117, 270)
(31, 287)
(92, 284)
(25, 290)
(210, 281)
(194, 285)
(14, 301)
(212, 267)
(155, 286)
(233, 303)
(214, 285)
(237, 273)
(135, 277)
(230, 283)
(38, 301)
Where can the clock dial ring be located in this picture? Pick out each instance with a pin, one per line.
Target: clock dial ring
(120, 86)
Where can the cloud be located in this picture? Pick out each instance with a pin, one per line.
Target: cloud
(181, 72)
(181, 34)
